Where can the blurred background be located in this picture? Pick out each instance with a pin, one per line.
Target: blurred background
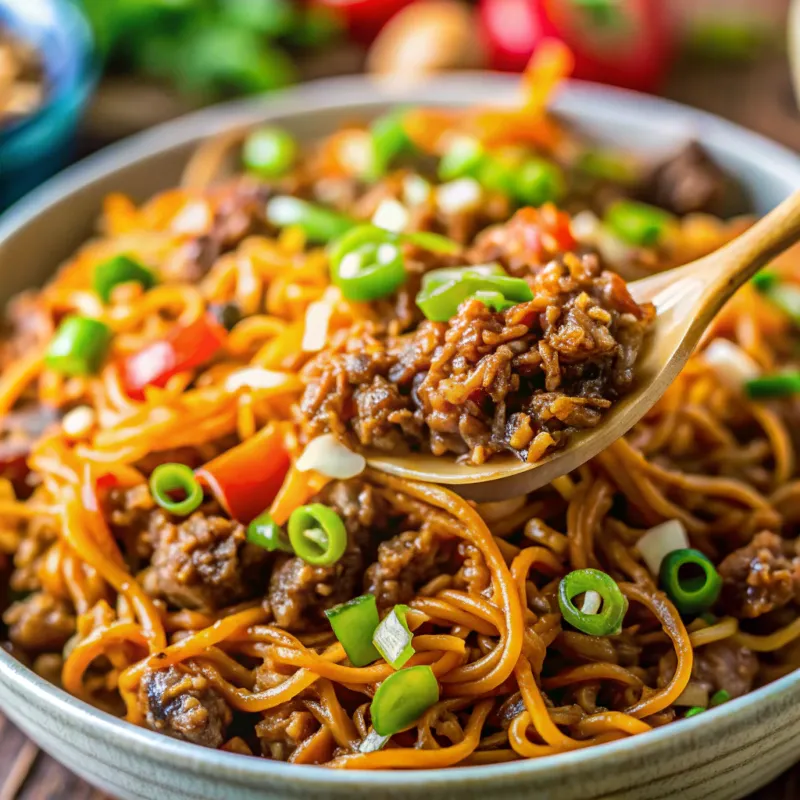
(113, 67)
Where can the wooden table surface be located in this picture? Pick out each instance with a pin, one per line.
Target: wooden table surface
(758, 96)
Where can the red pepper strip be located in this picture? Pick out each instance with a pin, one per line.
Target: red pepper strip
(185, 347)
(246, 478)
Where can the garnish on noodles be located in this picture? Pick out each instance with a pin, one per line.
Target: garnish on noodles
(191, 538)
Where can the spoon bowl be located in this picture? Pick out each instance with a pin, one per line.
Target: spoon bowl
(687, 299)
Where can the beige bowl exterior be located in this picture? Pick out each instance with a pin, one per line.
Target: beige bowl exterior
(719, 755)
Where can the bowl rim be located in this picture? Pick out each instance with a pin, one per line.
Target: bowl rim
(346, 93)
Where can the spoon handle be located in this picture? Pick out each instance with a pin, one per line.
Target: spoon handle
(740, 259)
(715, 277)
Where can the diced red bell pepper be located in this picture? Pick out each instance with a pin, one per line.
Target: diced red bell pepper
(364, 18)
(185, 347)
(246, 478)
(622, 42)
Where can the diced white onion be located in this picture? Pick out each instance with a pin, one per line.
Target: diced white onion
(391, 215)
(416, 190)
(660, 541)
(79, 422)
(317, 323)
(256, 378)
(327, 455)
(373, 741)
(391, 637)
(730, 363)
(695, 694)
(612, 248)
(464, 194)
(494, 512)
(585, 226)
(355, 151)
(592, 601)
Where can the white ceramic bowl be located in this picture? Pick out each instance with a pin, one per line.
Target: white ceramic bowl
(722, 754)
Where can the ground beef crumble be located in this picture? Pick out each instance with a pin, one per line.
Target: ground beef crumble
(203, 562)
(760, 577)
(716, 666)
(485, 382)
(184, 706)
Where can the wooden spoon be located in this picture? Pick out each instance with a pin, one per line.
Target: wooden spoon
(686, 299)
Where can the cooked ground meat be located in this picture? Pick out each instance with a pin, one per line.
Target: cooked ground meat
(40, 623)
(485, 382)
(760, 577)
(720, 665)
(404, 563)
(282, 729)
(239, 211)
(299, 593)
(184, 706)
(19, 429)
(203, 562)
(687, 181)
(39, 535)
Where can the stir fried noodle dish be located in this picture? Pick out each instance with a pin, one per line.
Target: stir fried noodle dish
(191, 538)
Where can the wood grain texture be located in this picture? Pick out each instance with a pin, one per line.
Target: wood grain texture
(758, 96)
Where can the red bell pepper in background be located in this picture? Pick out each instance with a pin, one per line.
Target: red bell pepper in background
(246, 478)
(185, 347)
(364, 18)
(627, 43)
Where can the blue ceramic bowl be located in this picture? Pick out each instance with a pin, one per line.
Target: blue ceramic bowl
(37, 146)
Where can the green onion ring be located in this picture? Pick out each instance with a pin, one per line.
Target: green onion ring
(690, 594)
(608, 620)
(168, 478)
(317, 535)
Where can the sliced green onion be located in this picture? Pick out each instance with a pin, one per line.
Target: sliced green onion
(269, 152)
(79, 346)
(693, 712)
(763, 281)
(318, 223)
(720, 697)
(539, 181)
(608, 620)
(416, 190)
(786, 297)
(781, 385)
(392, 637)
(317, 534)
(170, 479)
(117, 270)
(443, 291)
(402, 698)
(608, 166)
(461, 159)
(690, 580)
(708, 618)
(264, 532)
(366, 264)
(637, 223)
(498, 175)
(439, 277)
(494, 300)
(388, 140)
(372, 742)
(354, 624)
(434, 242)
